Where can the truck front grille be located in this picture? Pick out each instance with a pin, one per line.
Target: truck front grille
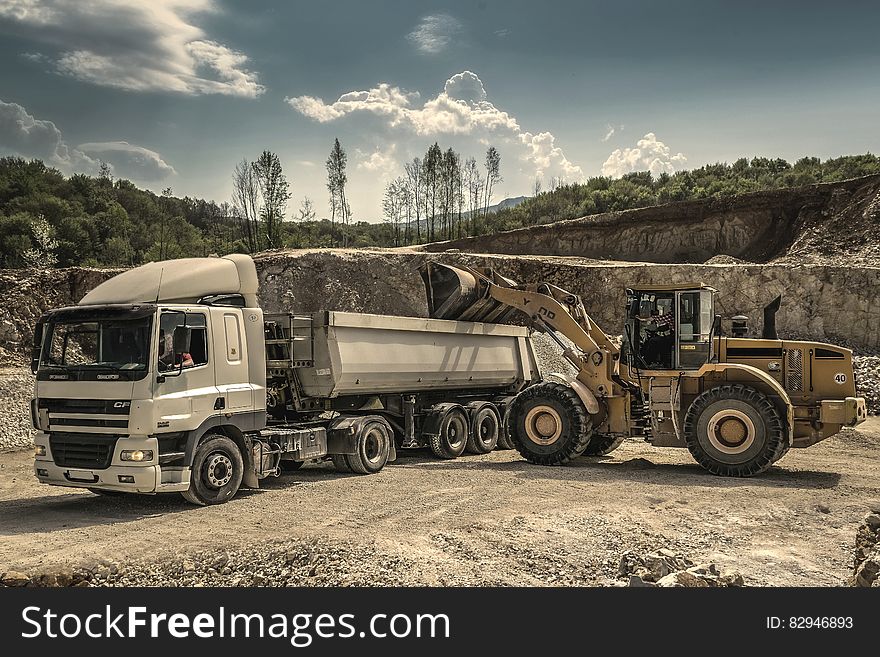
(82, 450)
(794, 377)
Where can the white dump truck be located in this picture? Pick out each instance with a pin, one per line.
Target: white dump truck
(169, 377)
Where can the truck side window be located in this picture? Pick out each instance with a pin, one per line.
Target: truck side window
(198, 347)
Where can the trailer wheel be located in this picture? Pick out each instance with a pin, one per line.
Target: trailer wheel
(734, 431)
(485, 427)
(601, 444)
(549, 424)
(451, 436)
(217, 470)
(374, 447)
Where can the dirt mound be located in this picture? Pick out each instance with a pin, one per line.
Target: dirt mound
(827, 223)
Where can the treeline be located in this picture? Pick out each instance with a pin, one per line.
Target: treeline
(47, 219)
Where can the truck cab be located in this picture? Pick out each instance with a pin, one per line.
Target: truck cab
(132, 376)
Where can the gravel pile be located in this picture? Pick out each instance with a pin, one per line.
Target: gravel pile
(16, 390)
(665, 568)
(866, 567)
(867, 375)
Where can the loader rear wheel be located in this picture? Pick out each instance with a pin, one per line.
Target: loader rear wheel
(485, 428)
(601, 444)
(373, 448)
(452, 434)
(217, 470)
(549, 424)
(734, 431)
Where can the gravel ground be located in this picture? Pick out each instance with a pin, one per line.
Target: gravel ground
(477, 520)
(16, 390)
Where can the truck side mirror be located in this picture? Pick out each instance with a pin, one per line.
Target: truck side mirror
(37, 347)
(182, 339)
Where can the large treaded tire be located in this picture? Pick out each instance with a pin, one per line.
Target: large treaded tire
(601, 444)
(568, 419)
(761, 445)
(217, 470)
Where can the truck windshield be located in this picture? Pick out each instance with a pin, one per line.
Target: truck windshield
(117, 344)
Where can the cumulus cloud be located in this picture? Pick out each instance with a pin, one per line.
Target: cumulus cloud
(24, 135)
(130, 160)
(435, 33)
(650, 154)
(382, 162)
(462, 109)
(134, 45)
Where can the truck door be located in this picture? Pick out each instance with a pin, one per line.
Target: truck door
(231, 365)
(185, 390)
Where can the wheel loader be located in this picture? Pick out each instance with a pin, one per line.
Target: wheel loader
(737, 403)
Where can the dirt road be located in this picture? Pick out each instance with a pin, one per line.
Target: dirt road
(477, 520)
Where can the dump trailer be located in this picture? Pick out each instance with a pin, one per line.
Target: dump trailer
(169, 377)
(738, 403)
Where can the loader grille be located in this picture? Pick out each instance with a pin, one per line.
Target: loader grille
(82, 450)
(794, 378)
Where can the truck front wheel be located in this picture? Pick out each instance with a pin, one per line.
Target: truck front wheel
(734, 431)
(549, 424)
(217, 470)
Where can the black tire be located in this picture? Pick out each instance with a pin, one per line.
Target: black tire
(452, 434)
(485, 427)
(340, 463)
(291, 466)
(566, 429)
(734, 431)
(374, 447)
(504, 439)
(217, 470)
(601, 444)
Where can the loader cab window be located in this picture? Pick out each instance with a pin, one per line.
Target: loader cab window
(198, 348)
(653, 329)
(695, 316)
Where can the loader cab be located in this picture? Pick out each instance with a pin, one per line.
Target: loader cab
(669, 328)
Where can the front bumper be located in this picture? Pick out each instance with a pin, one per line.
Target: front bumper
(846, 412)
(120, 476)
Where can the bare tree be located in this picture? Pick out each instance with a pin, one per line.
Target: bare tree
(166, 209)
(474, 185)
(414, 183)
(336, 181)
(431, 174)
(246, 198)
(493, 174)
(537, 186)
(306, 210)
(275, 191)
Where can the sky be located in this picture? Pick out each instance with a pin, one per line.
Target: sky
(173, 93)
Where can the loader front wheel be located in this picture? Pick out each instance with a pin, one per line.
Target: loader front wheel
(734, 431)
(549, 424)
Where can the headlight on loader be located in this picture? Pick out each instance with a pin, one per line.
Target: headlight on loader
(137, 455)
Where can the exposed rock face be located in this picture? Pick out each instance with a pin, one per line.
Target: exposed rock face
(866, 570)
(812, 223)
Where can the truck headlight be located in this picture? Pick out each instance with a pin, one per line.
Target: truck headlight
(138, 455)
(40, 450)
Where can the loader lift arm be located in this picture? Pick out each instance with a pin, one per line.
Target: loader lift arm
(476, 294)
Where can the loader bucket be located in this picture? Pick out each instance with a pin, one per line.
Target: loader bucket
(461, 293)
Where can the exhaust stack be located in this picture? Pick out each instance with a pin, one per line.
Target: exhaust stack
(768, 332)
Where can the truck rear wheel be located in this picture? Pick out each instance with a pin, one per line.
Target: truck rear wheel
(451, 436)
(549, 424)
(373, 448)
(485, 427)
(734, 431)
(217, 470)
